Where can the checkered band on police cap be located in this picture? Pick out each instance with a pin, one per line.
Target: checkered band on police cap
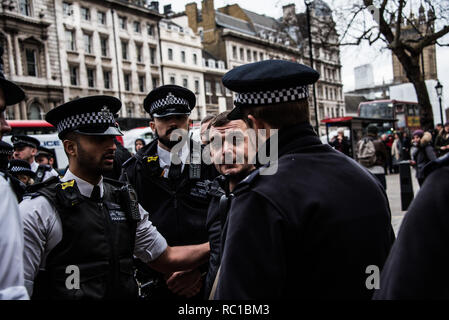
(169, 100)
(16, 169)
(104, 116)
(273, 96)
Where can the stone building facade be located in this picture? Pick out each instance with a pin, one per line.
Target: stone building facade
(31, 56)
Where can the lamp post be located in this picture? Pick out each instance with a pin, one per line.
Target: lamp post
(439, 89)
(308, 3)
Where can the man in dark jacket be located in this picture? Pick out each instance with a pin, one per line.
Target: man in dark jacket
(423, 153)
(121, 156)
(222, 144)
(173, 190)
(288, 234)
(418, 262)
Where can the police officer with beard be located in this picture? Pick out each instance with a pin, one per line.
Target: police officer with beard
(173, 191)
(311, 221)
(88, 226)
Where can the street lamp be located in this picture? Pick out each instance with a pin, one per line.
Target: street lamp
(308, 3)
(439, 89)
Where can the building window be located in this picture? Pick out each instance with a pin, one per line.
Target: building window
(170, 54)
(31, 62)
(104, 46)
(25, 7)
(127, 81)
(248, 55)
(34, 112)
(218, 91)
(242, 54)
(124, 50)
(122, 22)
(107, 79)
(234, 52)
(73, 75)
(101, 16)
(136, 26)
(183, 56)
(208, 87)
(154, 82)
(185, 83)
(261, 56)
(150, 29)
(152, 55)
(130, 110)
(85, 14)
(142, 83)
(70, 38)
(197, 86)
(139, 52)
(87, 43)
(67, 8)
(91, 77)
(195, 59)
(172, 80)
(255, 56)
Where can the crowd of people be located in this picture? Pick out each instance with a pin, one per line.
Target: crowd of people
(418, 148)
(166, 224)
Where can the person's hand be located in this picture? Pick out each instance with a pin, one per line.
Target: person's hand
(185, 283)
(444, 147)
(412, 162)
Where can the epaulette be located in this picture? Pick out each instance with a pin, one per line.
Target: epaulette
(435, 164)
(213, 188)
(35, 187)
(246, 183)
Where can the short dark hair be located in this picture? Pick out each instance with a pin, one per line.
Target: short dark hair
(281, 115)
(222, 119)
(207, 118)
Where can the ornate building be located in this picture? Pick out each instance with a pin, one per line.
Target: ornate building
(58, 50)
(414, 28)
(31, 58)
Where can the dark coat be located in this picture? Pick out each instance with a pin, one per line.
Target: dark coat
(290, 235)
(423, 155)
(121, 156)
(178, 209)
(343, 146)
(418, 264)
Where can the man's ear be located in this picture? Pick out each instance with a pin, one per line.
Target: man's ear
(152, 125)
(33, 152)
(257, 123)
(70, 147)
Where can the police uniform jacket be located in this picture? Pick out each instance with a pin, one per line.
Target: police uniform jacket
(307, 232)
(178, 209)
(419, 260)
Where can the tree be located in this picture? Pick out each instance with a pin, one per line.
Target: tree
(390, 17)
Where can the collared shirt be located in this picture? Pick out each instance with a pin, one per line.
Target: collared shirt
(47, 175)
(43, 231)
(11, 246)
(166, 156)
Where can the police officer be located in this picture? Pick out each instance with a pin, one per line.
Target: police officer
(173, 191)
(26, 148)
(88, 224)
(309, 222)
(11, 235)
(419, 259)
(20, 169)
(45, 156)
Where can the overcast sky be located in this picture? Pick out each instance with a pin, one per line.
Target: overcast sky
(351, 56)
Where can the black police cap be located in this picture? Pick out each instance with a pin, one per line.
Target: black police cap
(268, 82)
(42, 151)
(93, 115)
(24, 141)
(18, 166)
(12, 92)
(169, 100)
(6, 149)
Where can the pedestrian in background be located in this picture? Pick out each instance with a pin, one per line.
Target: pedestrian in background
(406, 146)
(204, 131)
(372, 154)
(423, 153)
(340, 142)
(139, 144)
(396, 154)
(442, 141)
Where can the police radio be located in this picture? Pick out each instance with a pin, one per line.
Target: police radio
(128, 197)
